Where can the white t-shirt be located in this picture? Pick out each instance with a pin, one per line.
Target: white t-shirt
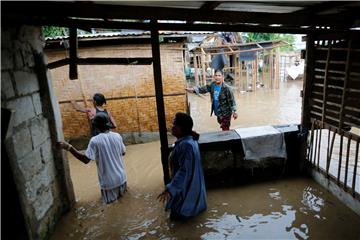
(107, 150)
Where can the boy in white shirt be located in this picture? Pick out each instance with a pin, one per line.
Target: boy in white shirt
(107, 149)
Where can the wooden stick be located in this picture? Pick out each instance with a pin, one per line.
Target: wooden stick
(203, 68)
(263, 69)
(355, 167)
(196, 71)
(277, 61)
(330, 154)
(311, 142)
(271, 69)
(319, 147)
(316, 142)
(325, 83)
(347, 163)
(347, 70)
(340, 156)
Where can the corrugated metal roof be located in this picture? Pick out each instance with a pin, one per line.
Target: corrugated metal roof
(125, 34)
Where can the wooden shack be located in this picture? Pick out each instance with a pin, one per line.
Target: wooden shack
(129, 89)
(242, 63)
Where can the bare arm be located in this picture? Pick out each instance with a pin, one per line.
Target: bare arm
(82, 157)
(78, 107)
(112, 120)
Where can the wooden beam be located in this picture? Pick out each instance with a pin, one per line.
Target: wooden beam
(105, 11)
(85, 23)
(208, 5)
(73, 72)
(308, 81)
(155, 47)
(321, 7)
(101, 61)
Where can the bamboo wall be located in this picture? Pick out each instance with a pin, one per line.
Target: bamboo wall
(129, 90)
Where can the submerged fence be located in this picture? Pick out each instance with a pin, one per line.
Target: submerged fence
(335, 153)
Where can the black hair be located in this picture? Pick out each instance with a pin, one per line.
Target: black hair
(102, 121)
(185, 122)
(99, 99)
(220, 71)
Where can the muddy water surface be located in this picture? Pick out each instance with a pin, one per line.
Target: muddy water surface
(295, 208)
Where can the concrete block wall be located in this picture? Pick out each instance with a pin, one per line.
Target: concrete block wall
(30, 137)
(129, 89)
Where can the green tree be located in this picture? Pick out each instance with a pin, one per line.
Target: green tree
(258, 37)
(51, 31)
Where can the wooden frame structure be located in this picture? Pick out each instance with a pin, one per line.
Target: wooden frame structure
(245, 77)
(312, 18)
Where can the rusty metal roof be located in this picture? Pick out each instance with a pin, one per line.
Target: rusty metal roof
(128, 34)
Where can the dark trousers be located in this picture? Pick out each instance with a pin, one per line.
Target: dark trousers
(224, 122)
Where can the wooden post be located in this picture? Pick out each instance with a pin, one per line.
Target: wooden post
(203, 68)
(196, 70)
(73, 71)
(155, 48)
(253, 75)
(346, 78)
(308, 82)
(355, 167)
(277, 61)
(340, 155)
(256, 67)
(247, 75)
(347, 162)
(263, 69)
(325, 82)
(271, 69)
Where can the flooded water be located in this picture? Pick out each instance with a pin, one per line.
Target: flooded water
(263, 107)
(296, 208)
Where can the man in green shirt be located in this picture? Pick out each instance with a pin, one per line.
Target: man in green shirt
(222, 99)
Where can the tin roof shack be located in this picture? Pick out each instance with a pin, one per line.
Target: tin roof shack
(240, 62)
(129, 89)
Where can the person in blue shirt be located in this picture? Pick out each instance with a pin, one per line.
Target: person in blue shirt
(185, 195)
(223, 102)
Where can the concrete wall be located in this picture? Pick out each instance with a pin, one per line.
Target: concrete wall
(40, 172)
(129, 88)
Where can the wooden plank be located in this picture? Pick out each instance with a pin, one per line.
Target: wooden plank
(73, 71)
(271, 70)
(347, 163)
(355, 168)
(155, 49)
(53, 10)
(345, 84)
(203, 69)
(196, 70)
(325, 82)
(330, 152)
(277, 60)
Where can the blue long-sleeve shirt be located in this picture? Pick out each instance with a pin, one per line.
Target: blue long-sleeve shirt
(187, 187)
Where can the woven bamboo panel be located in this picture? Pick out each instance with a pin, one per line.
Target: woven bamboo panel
(129, 90)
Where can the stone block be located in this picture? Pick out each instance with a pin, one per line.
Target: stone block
(37, 103)
(20, 144)
(26, 82)
(39, 129)
(7, 59)
(47, 153)
(7, 89)
(43, 202)
(39, 181)
(23, 109)
(217, 160)
(31, 164)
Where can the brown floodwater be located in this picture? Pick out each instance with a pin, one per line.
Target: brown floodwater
(296, 208)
